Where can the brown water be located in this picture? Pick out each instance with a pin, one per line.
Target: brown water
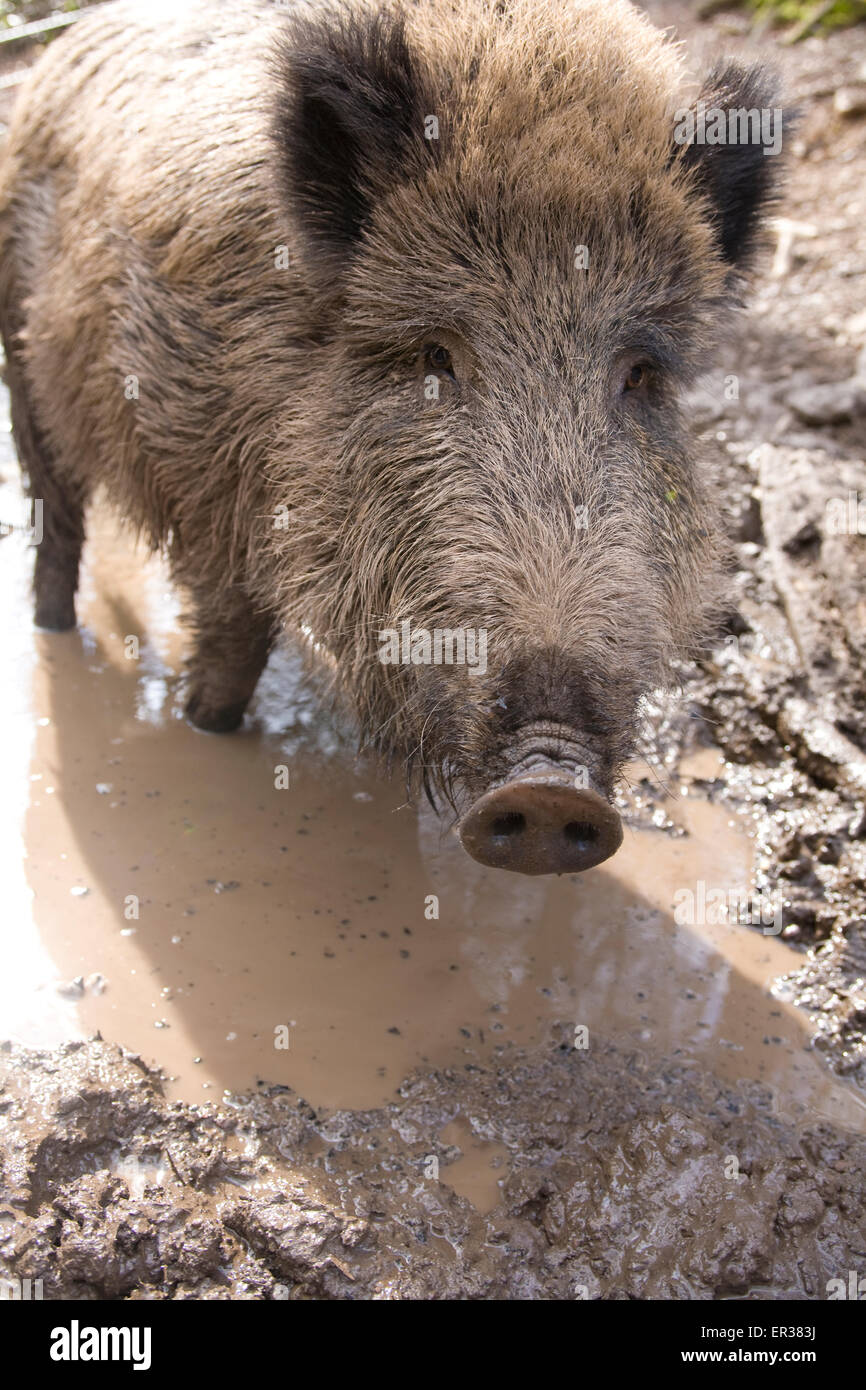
(160, 888)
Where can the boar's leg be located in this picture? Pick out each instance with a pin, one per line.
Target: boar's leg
(58, 516)
(55, 577)
(233, 641)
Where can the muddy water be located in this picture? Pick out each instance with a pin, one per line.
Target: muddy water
(264, 907)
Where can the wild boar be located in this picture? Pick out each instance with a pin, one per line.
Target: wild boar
(376, 320)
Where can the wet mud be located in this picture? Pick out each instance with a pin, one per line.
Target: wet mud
(272, 1034)
(617, 1178)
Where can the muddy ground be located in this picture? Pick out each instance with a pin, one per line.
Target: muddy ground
(306, 1085)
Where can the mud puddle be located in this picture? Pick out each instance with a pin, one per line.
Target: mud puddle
(263, 908)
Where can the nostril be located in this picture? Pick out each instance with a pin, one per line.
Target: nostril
(540, 823)
(512, 823)
(581, 831)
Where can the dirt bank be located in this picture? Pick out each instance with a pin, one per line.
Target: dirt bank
(624, 1182)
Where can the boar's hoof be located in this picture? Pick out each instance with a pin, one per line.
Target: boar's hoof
(541, 824)
(214, 719)
(55, 615)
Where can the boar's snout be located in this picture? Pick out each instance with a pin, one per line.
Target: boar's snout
(541, 823)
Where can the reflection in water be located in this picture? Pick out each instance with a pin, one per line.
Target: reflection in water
(326, 935)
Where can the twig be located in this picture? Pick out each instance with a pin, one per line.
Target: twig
(707, 8)
(809, 21)
(167, 1152)
(37, 28)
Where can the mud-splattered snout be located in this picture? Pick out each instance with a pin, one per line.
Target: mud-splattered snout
(542, 822)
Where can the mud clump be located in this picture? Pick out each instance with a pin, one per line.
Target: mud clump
(614, 1191)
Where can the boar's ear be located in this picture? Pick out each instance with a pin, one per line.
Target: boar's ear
(738, 172)
(349, 120)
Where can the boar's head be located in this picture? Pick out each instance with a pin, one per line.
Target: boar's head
(513, 269)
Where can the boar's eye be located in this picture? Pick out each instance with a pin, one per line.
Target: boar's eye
(439, 358)
(637, 377)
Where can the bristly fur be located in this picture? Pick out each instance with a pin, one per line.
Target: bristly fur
(267, 418)
(350, 102)
(738, 180)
